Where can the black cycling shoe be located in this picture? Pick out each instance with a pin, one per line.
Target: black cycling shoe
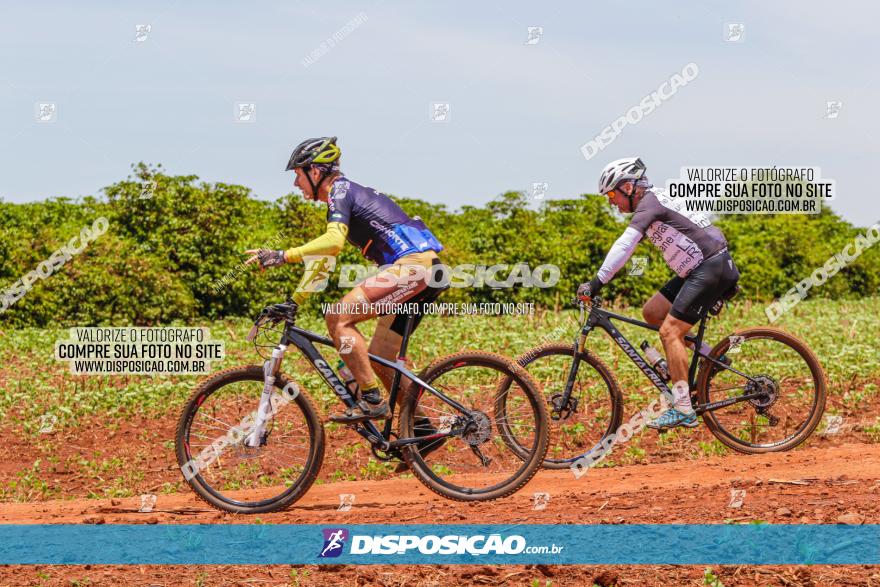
(362, 412)
(422, 427)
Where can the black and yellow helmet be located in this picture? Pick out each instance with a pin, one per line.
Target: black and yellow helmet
(320, 151)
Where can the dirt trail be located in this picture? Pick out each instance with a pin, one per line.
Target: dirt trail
(829, 482)
(811, 485)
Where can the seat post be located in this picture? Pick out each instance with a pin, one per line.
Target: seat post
(407, 330)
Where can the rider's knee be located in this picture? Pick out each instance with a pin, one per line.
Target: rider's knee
(652, 314)
(668, 332)
(334, 322)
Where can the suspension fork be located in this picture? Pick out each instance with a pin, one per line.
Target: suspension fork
(578, 347)
(270, 371)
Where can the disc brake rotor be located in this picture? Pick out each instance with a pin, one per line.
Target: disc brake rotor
(560, 410)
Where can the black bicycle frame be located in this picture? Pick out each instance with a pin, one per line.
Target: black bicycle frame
(602, 319)
(304, 340)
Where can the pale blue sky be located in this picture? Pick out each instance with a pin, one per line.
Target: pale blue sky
(519, 113)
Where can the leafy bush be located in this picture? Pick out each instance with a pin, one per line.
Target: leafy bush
(173, 251)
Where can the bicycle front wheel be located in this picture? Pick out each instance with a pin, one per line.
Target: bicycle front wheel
(472, 461)
(594, 408)
(233, 476)
(786, 374)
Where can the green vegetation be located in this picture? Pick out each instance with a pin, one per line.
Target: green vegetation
(33, 383)
(164, 257)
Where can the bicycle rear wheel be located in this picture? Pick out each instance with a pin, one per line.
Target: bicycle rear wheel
(784, 370)
(238, 478)
(474, 463)
(594, 409)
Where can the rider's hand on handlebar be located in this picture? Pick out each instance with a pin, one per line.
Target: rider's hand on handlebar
(585, 293)
(265, 257)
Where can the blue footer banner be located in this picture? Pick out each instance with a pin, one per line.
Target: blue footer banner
(262, 544)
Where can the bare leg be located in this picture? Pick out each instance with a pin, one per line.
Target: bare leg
(344, 324)
(656, 309)
(672, 333)
(386, 344)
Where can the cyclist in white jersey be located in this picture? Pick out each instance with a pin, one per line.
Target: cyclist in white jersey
(692, 247)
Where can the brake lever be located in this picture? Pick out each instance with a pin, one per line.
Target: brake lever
(255, 329)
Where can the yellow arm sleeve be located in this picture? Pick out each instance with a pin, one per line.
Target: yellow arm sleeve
(329, 243)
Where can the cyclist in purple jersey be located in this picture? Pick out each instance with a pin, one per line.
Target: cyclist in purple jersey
(403, 247)
(692, 247)
(376, 225)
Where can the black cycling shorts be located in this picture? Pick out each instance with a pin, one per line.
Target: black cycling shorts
(694, 295)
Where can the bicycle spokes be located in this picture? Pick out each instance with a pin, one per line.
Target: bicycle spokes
(783, 381)
(277, 461)
(467, 449)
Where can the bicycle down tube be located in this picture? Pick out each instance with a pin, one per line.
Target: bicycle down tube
(304, 339)
(602, 318)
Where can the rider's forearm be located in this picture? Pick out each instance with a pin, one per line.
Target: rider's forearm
(619, 254)
(329, 243)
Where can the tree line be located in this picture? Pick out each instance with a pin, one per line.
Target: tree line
(173, 251)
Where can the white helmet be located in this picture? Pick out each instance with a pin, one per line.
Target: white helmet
(620, 170)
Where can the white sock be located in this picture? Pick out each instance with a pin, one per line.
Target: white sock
(681, 397)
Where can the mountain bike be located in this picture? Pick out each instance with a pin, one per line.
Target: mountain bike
(758, 390)
(249, 440)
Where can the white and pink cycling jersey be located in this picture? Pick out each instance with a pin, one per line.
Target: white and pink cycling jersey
(685, 238)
